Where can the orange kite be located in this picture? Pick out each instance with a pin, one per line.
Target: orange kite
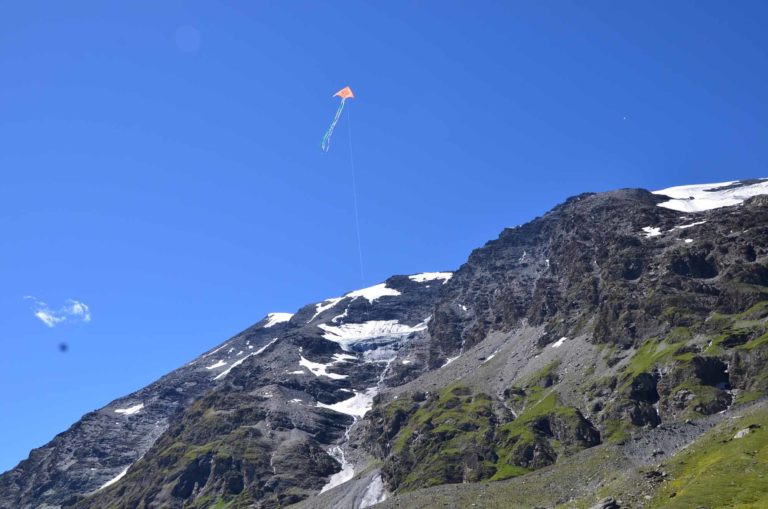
(345, 93)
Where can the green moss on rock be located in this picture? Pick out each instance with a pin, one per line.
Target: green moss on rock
(460, 435)
(722, 470)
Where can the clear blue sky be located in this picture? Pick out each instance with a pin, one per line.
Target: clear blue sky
(160, 161)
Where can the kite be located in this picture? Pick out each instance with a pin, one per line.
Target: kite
(345, 93)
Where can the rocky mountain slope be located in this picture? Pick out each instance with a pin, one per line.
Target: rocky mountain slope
(614, 348)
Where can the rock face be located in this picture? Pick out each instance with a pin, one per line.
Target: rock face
(107, 441)
(593, 324)
(280, 398)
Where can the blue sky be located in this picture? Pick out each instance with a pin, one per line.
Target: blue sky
(160, 160)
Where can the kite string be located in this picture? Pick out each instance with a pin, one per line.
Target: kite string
(354, 195)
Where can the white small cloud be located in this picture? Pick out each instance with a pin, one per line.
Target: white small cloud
(47, 318)
(72, 311)
(78, 309)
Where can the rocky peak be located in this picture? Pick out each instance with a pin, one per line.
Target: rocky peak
(611, 314)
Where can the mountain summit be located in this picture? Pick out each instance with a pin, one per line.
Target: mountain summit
(611, 353)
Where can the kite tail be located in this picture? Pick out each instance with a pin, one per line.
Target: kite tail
(326, 143)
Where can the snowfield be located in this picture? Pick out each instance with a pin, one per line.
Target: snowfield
(431, 276)
(275, 318)
(348, 334)
(356, 406)
(701, 197)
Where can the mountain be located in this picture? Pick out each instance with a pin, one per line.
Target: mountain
(611, 353)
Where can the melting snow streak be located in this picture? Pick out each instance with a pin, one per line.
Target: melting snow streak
(114, 479)
(356, 406)
(374, 493)
(559, 342)
(130, 410)
(240, 361)
(347, 470)
(318, 369)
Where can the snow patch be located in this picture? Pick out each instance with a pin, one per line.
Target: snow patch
(130, 410)
(299, 372)
(214, 351)
(371, 294)
(559, 342)
(431, 276)
(275, 318)
(318, 369)
(114, 479)
(450, 360)
(374, 493)
(336, 318)
(688, 241)
(356, 406)
(374, 292)
(326, 304)
(343, 357)
(217, 365)
(347, 470)
(684, 226)
(698, 198)
(240, 361)
(651, 231)
(350, 333)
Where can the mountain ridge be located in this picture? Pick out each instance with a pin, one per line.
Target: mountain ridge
(545, 287)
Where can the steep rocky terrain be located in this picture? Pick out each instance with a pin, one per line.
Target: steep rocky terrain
(614, 348)
(105, 442)
(269, 394)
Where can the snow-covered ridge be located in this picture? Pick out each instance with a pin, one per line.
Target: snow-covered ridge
(372, 293)
(431, 276)
(275, 318)
(701, 197)
(375, 292)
